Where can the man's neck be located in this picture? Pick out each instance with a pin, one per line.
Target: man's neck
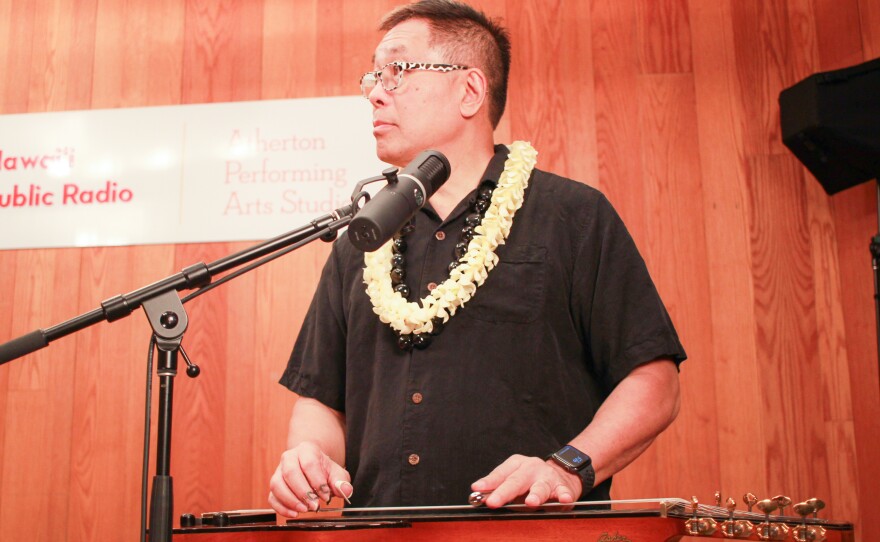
(467, 166)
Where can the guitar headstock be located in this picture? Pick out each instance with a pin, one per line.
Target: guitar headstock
(769, 522)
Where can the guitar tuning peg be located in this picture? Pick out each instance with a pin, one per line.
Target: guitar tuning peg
(731, 506)
(804, 509)
(717, 498)
(694, 505)
(749, 499)
(767, 506)
(817, 505)
(782, 501)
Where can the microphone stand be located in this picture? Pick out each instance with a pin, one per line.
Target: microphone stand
(875, 266)
(168, 319)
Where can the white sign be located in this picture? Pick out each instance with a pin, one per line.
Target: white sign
(180, 174)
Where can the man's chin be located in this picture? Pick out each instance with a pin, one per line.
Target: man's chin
(392, 156)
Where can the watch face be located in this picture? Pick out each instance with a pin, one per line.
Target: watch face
(573, 457)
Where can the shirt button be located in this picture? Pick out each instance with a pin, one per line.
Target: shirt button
(431, 286)
(413, 459)
(417, 398)
(440, 235)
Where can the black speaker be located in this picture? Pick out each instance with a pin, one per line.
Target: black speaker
(831, 122)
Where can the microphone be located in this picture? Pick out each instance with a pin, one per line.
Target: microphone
(391, 208)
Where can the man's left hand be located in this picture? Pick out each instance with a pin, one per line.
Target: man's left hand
(539, 481)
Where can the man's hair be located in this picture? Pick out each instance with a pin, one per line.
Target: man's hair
(466, 36)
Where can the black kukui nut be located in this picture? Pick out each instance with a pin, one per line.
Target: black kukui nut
(437, 326)
(398, 275)
(408, 228)
(421, 341)
(402, 289)
(460, 249)
(405, 342)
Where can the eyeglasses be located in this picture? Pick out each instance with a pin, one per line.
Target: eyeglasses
(391, 74)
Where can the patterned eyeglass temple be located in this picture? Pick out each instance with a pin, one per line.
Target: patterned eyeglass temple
(391, 74)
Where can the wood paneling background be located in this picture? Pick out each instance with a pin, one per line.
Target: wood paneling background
(668, 106)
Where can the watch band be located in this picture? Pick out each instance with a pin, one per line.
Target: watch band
(588, 480)
(577, 462)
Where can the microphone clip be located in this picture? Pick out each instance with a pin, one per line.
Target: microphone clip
(360, 197)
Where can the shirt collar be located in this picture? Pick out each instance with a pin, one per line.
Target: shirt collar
(491, 174)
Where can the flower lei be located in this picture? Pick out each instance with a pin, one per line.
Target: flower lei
(474, 266)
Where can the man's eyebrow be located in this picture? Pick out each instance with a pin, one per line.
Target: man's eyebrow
(395, 49)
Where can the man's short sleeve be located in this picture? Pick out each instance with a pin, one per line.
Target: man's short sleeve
(316, 368)
(624, 321)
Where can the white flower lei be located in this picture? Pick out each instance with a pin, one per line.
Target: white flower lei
(474, 266)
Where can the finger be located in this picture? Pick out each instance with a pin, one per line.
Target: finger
(495, 478)
(316, 469)
(345, 489)
(539, 493)
(296, 481)
(284, 495)
(281, 508)
(516, 484)
(324, 476)
(564, 493)
(341, 482)
(568, 487)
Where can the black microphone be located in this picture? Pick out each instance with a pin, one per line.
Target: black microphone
(406, 192)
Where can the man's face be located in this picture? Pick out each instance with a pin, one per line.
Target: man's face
(422, 113)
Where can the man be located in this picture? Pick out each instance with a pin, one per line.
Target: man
(564, 342)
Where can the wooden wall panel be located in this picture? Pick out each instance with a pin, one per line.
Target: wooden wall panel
(40, 398)
(664, 36)
(109, 381)
(668, 106)
(721, 149)
(869, 22)
(761, 47)
(290, 49)
(6, 23)
(838, 33)
(672, 185)
(615, 59)
(786, 325)
(19, 43)
(855, 213)
(833, 372)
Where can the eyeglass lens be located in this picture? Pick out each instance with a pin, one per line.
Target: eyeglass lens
(390, 76)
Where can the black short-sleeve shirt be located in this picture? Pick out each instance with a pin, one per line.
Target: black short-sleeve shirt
(522, 368)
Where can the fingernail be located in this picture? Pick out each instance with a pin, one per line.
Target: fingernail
(345, 494)
(312, 498)
(326, 495)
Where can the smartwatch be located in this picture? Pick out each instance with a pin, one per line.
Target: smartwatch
(577, 462)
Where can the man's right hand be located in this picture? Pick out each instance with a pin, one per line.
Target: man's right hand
(305, 477)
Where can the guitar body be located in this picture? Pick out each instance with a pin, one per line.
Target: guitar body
(668, 522)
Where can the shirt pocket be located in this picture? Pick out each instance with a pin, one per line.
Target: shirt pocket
(514, 291)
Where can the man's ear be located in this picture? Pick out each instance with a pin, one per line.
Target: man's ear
(475, 90)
